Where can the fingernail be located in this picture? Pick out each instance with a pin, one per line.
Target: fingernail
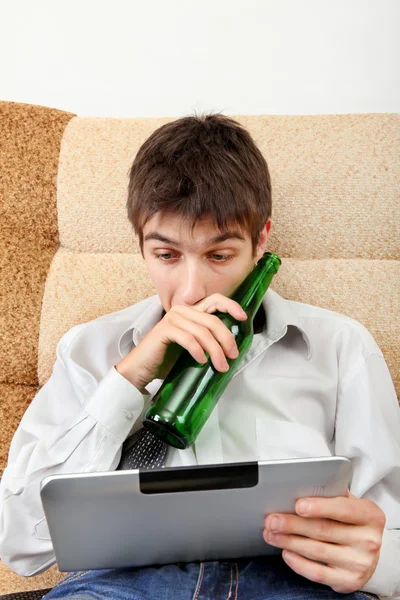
(274, 524)
(224, 366)
(303, 507)
(234, 352)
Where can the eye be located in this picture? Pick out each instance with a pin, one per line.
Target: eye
(220, 257)
(166, 256)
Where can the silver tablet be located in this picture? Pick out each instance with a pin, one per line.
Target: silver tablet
(212, 512)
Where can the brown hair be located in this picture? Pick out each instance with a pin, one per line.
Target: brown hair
(199, 166)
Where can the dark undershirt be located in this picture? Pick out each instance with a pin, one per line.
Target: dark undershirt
(259, 320)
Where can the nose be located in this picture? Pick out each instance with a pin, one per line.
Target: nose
(192, 288)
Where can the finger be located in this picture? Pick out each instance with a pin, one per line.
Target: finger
(218, 302)
(333, 555)
(212, 323)
(204, 340)
(185, 340)
(325, 530)
(346, 510)
(338, 579)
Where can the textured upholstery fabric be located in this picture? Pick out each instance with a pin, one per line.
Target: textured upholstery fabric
(30, 138)
(33, 595)
(11, 583)
(68, 254)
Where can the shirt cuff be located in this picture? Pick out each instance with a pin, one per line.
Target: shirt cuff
(386, 579)
(116, 404)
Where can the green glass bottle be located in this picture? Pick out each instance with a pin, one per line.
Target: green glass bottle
(191, 390)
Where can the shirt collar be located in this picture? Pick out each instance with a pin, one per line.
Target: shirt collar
(279, 315)
(140, 327)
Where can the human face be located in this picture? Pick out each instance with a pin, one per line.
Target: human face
(186, 267)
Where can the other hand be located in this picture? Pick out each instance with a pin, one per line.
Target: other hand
(344, 533)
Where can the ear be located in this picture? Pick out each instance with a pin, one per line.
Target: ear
(262, 241)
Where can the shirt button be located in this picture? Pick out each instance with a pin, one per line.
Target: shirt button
(128, 415)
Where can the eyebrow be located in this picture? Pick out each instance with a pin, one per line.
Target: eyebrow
(222, 237)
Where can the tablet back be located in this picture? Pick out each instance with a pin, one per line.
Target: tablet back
(136, 518)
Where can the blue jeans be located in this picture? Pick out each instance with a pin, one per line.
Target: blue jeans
(246, 579)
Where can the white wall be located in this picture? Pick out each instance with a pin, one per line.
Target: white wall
(127, 58)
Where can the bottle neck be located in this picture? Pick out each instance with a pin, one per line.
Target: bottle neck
(252, 290)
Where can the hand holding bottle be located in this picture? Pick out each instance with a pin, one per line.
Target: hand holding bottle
(193, 328)
(192, 388)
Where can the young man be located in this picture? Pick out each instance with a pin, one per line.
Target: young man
(314, 383)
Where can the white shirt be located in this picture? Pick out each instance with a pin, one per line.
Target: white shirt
(314, 383)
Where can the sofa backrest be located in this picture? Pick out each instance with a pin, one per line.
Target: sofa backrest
(335, 220)
(69, 254)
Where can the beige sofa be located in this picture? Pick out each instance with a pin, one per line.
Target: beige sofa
(68, 253)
